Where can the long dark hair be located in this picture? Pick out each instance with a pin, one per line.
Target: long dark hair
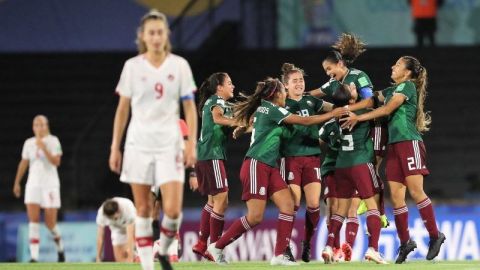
(265, 89)
(209, 88)
(347, 48)
(419, 78)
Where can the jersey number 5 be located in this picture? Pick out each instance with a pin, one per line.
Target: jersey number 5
(159, 90)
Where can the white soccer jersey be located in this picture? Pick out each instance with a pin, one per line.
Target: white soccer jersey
(155, 96)
(41, 173)
(127, 214)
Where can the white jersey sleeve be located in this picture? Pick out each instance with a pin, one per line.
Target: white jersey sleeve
(54, 147)
(100, 220)
(187, 83)
(125, 86)
(129, 211)
(25, 150)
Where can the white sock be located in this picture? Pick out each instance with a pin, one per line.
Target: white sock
(173, 248)
(168, 232)
(57, 238)
(34, 237)
(144, 241)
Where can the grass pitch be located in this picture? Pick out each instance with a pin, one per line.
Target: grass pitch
(420, 265)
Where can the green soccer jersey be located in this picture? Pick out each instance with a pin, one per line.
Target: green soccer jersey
(402, 122)
(330, 134)
(213, 137)
(304, 139)
(358, 77)
(267, 133)
(356, 147)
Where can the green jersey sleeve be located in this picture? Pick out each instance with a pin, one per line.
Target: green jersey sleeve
(407, 89)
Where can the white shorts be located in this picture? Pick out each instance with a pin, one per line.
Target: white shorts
(118, 236)
(154, 169)
(46, 197)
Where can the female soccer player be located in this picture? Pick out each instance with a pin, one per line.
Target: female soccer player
(152, 84)
(406, 155)
(355, 176)
(259, 173)
(119, 215)
(301, 163)
(216, 115)
(42, 153)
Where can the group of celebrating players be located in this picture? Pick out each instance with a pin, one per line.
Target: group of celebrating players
(290, 128)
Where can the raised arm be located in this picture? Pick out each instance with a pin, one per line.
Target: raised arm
(385, 110)
(317, 93)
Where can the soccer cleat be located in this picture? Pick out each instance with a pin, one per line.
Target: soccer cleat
(165, 262)
(327, 255)
(173, 258)
(282, 260)
(61, 256)
(306, 251)
(362, 208)
(200, 248)
(337, 254)
(288, 254)
(434, 246)
(217, 254)
(33, 261)
(375, 256)
(404, 250)
(384, 221)
(347, 252)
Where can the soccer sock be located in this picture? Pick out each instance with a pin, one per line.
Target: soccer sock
(401, 222)
(312, 216)
(351, 230)
(216, 226)
(173, 248)
(426, 212)
(34, 236)
(204, 232)
(144, 241)
(336, 222)
(373, 225)
(284, 232)
(168, 231)
(239, 227)
(57, 238)
(155, 229)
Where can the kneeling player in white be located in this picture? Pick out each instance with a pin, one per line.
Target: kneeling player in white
(42, 154)
(119, 215)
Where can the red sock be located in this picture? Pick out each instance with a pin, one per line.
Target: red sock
(401, 222)
(284, 231)
(312, 216)
(336, 222)
(426, 212)
(373, 225)
(351, 230)
(216, 226)
(235, 230)
(204, 232)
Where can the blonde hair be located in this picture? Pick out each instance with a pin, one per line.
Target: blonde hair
(419, 78)
(152, 15)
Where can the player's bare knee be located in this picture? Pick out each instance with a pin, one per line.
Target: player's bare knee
(254, 218)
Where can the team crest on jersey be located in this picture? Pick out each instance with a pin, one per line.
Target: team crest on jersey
(262, 191)
(170, 77)
(309, 103)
